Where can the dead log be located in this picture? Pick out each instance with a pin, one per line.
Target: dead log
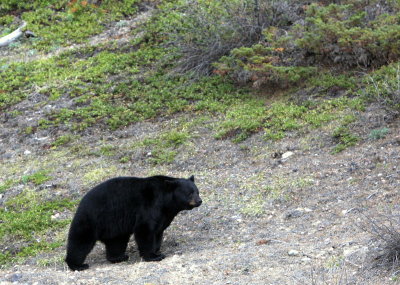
(6, 40)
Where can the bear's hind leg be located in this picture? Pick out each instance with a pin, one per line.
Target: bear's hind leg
(77, 252)
(116, 247)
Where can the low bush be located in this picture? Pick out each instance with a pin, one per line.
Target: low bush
(345, 35)
(348, 36)
(199, 32)
(383, 86)
(262, 65)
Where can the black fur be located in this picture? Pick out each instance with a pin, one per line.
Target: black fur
(117, 208)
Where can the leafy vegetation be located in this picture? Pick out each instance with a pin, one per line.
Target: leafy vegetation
(162, 149)
(383, 86)
(343, 134)
(26, 220)
(57, 23)
(378, 133)
(276, 68)
(282, 117)
(36, 178)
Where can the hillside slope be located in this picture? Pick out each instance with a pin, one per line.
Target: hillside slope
(299, 179)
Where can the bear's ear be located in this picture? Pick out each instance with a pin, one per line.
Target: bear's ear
(191, 178)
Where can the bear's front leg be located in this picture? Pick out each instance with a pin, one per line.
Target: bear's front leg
(158, 241)
(116, 247)
(146, 242)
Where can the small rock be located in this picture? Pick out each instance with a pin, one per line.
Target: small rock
(29, 34)
(297, 212)
(293, 252)
(287, 154)
(27, 152)
(293, 214)
(55, 216)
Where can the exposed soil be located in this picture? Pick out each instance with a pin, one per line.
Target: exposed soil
(303, 225)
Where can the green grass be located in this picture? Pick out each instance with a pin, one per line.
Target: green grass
(26, 222)
(63, 140)
(281, 117)
(326, 81)
(59, 23)
(36, 178)
(163, 148)
(113, 86)
(343, 134)
(6, 185)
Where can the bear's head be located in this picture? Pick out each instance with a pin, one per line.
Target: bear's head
(185, 192)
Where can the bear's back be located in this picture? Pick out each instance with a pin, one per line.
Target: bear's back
(126, 189)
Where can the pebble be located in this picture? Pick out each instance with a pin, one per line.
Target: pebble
(293, 252)
(287, 154)
(55, 216)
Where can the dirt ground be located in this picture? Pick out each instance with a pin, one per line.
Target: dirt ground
(286, 212)
(306, 230)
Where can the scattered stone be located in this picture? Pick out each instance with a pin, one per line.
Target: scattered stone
(345, 212)
(55, 216)
(293, 252)
(287, 154)
(297, 213)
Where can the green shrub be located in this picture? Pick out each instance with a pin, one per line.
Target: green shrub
(262, 65)
(343, 135)
(383, 86)
(197, 33)
(7, 6)
(345, 35)
(378, 133)
(327, 81)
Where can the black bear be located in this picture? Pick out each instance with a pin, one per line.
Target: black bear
(117, 208)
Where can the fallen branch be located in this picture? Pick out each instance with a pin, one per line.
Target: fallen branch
(6, 40)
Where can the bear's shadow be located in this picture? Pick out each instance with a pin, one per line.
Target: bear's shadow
(170, 247)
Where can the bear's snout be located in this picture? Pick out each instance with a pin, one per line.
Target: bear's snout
(195, 203)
